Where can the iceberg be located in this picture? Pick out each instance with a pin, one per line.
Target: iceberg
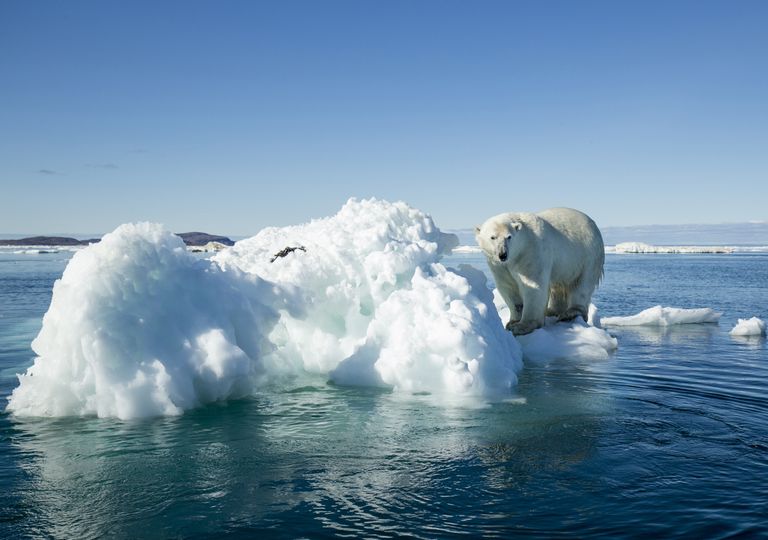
(665, 316)
(138, 326)
(749, 327)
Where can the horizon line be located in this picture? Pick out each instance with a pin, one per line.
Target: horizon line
(83, 235)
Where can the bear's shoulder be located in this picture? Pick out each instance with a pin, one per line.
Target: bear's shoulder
(564, 215)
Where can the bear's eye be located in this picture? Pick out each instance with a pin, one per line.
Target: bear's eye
(493, 238)
(509, 236)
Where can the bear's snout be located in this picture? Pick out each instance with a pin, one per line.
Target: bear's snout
(503, 255)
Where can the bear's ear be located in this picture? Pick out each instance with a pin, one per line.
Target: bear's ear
(477, 230)
(515, 226)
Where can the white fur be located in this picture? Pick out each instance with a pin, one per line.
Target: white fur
(544, 264)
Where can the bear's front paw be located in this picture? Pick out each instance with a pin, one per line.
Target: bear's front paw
(520, 329)
(511, 323)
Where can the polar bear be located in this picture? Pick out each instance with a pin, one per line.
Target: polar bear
(547, 263)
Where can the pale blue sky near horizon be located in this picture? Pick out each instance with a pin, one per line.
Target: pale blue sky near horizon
(231, 116)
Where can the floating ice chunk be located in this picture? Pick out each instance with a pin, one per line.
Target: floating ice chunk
(575, 340)
(139, 327)
(665, 316)
(41, 251)
(749, 327)
(440, 335)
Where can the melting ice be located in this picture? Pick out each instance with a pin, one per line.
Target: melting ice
(137, 326)
(749, 327)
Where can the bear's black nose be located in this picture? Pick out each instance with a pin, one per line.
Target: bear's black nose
(503, 256)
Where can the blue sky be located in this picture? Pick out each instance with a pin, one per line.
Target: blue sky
(231, 116)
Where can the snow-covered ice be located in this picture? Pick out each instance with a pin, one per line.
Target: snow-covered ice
(665, 316)
(749, 327)
(577, 340)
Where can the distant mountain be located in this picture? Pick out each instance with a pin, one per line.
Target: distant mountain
(201, 239)
(48, 241)
(190, 239)
(722, 234)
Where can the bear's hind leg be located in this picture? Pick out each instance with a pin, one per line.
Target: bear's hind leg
(558, 301)
(578, 303)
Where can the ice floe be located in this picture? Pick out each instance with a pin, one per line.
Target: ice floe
(575, 340)
(749, 327)
(665, 316)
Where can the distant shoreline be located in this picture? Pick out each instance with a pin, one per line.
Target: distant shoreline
(192, 239)
(636, 248)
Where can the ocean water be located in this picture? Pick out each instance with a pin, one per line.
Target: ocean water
(667, 437)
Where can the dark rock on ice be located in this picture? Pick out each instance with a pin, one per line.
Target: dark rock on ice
(201, 239)
(285, 251)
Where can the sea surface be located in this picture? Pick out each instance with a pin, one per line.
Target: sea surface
(667, 438)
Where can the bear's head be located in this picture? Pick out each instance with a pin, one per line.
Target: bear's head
(496, 238)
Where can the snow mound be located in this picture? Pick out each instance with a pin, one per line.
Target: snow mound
(665, 316)
(749, 327)
(139, 327)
